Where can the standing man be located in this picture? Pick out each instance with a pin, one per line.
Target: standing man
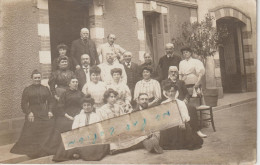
(166, 61)
(132, 71)
(84, 45)
(82, 73)
(110, 46)
(148, 61)
(107, 66)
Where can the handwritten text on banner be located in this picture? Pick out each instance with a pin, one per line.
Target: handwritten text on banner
(125, 127)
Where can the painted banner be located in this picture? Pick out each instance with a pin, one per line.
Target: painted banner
(124, 128)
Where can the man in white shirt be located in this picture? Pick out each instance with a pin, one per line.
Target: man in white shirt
(82, 74)
(110, 46)
(107, 66)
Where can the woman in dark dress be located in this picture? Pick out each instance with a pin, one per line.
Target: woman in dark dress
(68, 107)
(59, 79)
(182, 136)
(36, 105)
(63, 51)
(89, 153)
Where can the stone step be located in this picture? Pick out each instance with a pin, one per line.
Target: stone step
(42, 160)
(10, 158)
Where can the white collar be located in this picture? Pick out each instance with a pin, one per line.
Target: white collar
(110, 64)
(83, 112)
(169, 55)
(188, 59)
(176, 95)
(126, 63)
(111, 45)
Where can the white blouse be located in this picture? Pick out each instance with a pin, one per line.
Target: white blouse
(107, 111)
(124, 94)
(80, 119)
(190, 70)
(182, 108)
(151, 87)
(95, 90)
(106, 72)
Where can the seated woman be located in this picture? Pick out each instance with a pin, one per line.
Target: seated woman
(95, 87)
(110, 109)
(148, 86)
(60, 79)
(184, 95)
(63, 51)
(36, 106)
(124, 95)
(68, 107)
(182, 137)
(89, 153)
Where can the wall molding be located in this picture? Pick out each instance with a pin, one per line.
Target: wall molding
(180, 3)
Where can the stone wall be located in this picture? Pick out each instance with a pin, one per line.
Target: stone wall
(19, 53)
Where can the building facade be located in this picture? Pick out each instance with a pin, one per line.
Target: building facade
(30, 30)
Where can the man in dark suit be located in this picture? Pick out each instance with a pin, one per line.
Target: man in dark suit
(82, 73)
(174, 78)
(169, 59)
(132, 71)
(84, 45)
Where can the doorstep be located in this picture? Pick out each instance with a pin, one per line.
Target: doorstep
(10, 158)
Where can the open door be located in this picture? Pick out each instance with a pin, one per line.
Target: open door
(154, 35)
(232, 57)
(66, 18)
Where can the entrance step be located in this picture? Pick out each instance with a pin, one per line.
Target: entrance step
(42, 160)
(10, 158)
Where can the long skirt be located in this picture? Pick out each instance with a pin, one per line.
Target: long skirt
(53, 140)
(32, 137)
(175, 138)
(87, 153)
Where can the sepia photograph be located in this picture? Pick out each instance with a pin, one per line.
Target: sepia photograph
(128, 82)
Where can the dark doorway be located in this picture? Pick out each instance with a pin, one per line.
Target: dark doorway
(232, 57)
(154, 34)
(66, 18)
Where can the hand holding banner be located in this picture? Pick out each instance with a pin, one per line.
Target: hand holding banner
(124, 128)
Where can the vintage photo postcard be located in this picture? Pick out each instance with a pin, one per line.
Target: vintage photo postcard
(128, 81)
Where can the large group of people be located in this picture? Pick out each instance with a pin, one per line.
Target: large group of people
(92, 84)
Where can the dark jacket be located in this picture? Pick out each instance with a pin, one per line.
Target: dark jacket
(183, 92)
(78, 47)
(81, 76)
(133, 75)
(165, 63)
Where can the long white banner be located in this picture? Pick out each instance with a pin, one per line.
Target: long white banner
(124, 128)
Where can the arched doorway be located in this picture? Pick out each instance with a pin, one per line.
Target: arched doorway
(231, 55)
(236, 59)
